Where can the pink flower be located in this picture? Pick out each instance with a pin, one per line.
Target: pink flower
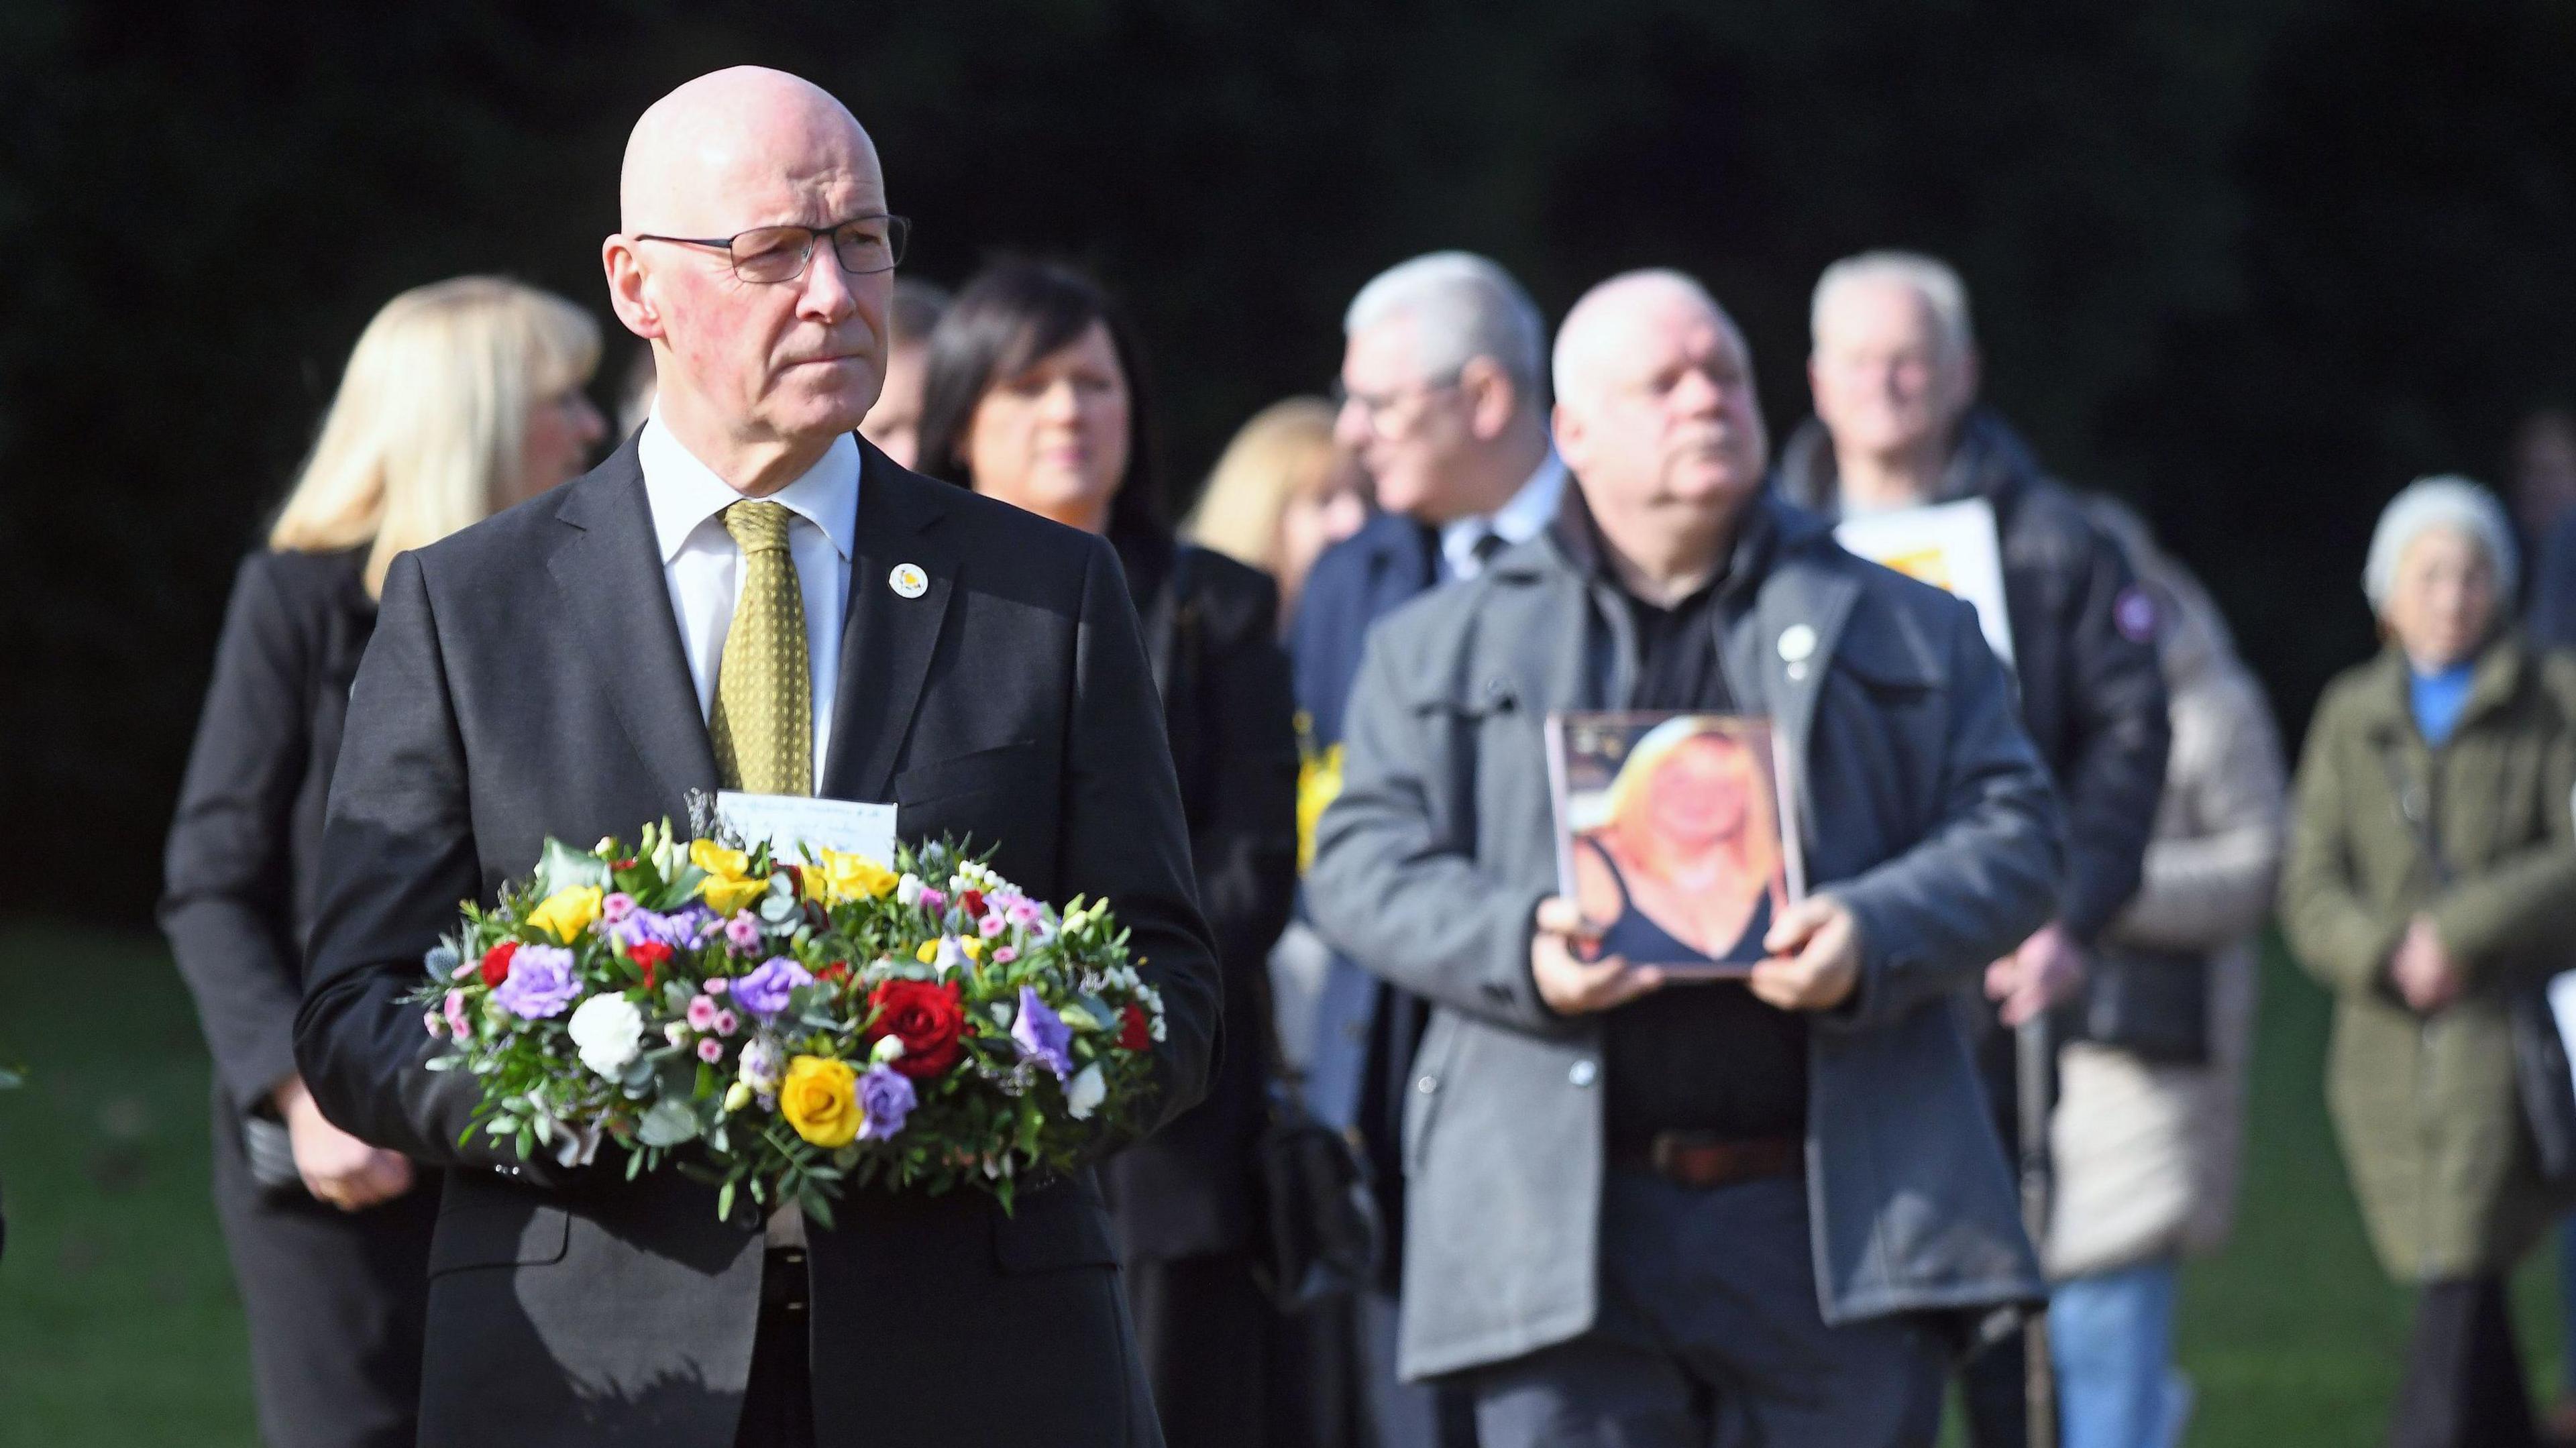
(742, 933)
(616, 907)
(1004, 955)
(433, 1022)
(457, 1025)
(710, 1050)
(933, 901)
(992, 925)
(1024, 913)
(702, 1012)
(718, 985)
(726, 1022)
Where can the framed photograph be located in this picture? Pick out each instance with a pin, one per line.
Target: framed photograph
(1952, 546)
(1678, 831)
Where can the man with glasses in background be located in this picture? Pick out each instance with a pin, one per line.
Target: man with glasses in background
(1443, 400)
(746, 596)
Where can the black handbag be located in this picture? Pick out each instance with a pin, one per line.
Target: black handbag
(2153, 1004)
(1321, 1232)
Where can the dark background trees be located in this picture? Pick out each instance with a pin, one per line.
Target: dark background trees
(2250, 263)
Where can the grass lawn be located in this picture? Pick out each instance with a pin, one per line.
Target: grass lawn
(118, 1323)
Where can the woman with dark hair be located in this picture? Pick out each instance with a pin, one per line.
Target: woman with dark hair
(1035, 396)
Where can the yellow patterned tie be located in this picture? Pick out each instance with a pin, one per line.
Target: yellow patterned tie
(762, 725)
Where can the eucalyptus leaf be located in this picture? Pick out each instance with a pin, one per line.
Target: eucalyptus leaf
(564, 868)
(668, 1123)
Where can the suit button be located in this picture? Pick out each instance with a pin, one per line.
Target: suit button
(1427, 1084)
(1583, 1072)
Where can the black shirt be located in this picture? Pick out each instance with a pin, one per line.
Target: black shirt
(1702, 1056)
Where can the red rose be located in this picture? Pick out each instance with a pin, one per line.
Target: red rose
(926, 1017)
(625, 864)
(1135, 1033)
(648, 956)
(496, 962)
(972, 902)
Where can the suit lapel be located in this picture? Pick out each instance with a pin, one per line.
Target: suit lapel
(887, 640)
(609, 569)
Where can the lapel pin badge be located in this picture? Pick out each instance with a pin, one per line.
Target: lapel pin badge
(1797, 645)
(908, 580)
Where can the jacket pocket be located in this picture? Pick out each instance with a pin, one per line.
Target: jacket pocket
(494, 1229)
(1061, 1226)
(999, 767)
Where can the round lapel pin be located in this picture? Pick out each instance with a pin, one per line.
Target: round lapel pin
(908, 580)
(1797, 643)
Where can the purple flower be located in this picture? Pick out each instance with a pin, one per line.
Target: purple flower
(616, 907)
(540, 983)
(742, 933)
(710, 1050)
(761, 1065)
(764, 991)
(702, 1013)
(933, 901)
(678, 930)
(886, 1097)
(1042, 1034)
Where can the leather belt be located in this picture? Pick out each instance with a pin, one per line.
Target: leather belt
(1702, 1159)
(783, 1286)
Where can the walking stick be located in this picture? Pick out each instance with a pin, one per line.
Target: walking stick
(2033, 1051)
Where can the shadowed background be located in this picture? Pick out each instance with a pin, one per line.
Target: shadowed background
(2251, 263)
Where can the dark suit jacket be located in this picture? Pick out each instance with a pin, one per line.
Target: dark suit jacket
(1211, 629)
(1365, 1029)
(243, 863)
(527, 680)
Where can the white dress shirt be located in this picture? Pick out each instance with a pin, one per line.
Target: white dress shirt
(1530, 510)
(703, 565)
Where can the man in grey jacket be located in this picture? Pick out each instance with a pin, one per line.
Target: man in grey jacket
(1651, 1214)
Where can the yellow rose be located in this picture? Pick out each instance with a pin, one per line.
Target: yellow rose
(568, 912)
(726, 888)
(820, 1098)
(715, 859)
(846, 876)
(727, 896)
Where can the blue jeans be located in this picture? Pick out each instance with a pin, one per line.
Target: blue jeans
(2111, 1337)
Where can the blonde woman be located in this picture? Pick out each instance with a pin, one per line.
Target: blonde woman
(460, 399)
(1687, 868)
(1280, 495)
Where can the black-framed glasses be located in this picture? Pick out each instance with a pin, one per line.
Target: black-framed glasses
(780, 253)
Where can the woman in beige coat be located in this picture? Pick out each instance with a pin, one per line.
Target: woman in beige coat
(2432, 877)
(2146, 1143)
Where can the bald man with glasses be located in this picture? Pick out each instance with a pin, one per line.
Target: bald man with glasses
(748, 596)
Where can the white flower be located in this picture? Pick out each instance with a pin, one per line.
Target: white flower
(1086, 1092)
(889, 1049)
(677, 1033)
(907, 891)
(609, 1030)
